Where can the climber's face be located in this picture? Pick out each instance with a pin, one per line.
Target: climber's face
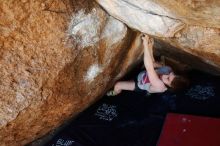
(167, 79)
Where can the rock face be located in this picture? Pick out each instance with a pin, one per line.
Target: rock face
(199, 41)
(56, 58)
(189, 25)
(145, 16)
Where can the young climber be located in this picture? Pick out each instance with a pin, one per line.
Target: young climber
(155, 79)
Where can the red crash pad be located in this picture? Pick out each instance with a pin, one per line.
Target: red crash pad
(188, 130)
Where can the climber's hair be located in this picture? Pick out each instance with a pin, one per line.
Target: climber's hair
(179, 83)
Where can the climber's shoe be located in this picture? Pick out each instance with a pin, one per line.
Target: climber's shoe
(111, 93)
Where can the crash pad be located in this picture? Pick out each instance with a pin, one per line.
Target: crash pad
(189, 130)
(137, 118)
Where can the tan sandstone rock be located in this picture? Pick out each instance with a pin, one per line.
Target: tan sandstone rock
(56, 58)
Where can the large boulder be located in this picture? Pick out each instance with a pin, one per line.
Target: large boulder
(56, 58)
(189, 25)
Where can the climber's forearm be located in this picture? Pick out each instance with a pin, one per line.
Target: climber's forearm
(152, 54)
(148, 62)
(148, 46)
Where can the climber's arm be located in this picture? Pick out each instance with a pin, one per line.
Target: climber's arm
(156, 84)
(155, 63)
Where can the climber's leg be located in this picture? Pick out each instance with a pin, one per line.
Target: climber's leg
(122, 85)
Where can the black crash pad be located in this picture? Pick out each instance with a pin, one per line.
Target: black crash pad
(136, 119)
